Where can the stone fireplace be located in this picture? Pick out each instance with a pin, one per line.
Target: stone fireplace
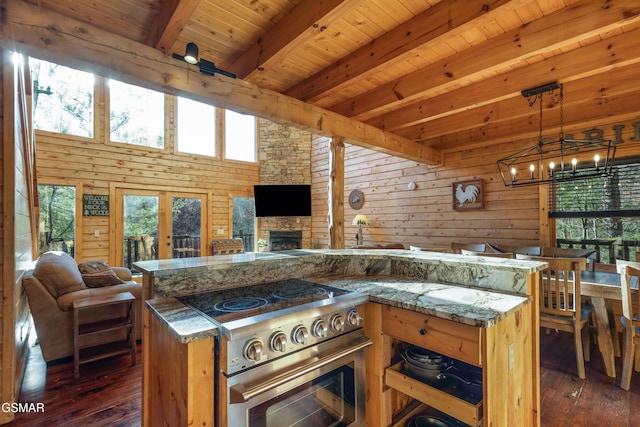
(280, 240)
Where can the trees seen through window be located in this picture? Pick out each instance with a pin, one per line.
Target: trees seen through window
(62, 99)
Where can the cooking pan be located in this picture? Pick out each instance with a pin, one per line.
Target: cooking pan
(428, 421)
(426, 366)
(465, 378)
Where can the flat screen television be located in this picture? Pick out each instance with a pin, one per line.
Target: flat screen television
(282, 200)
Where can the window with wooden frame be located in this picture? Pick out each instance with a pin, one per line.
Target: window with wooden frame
(601, 213)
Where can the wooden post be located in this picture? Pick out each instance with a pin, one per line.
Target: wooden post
(336, 194)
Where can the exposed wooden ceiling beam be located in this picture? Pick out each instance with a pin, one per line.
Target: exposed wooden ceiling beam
(594, 110)
(304, 22)
(576, 95)
(50, 36)
(561, 29)
(594, 59)
(172, 18)
(417, 34)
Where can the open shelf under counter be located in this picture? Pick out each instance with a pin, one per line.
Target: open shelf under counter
(503, 350)
(467, 412)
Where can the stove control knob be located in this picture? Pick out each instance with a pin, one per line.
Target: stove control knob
(353, 318)
(253, 350)
(319, 328)
(279, 342)
(337, 323)
(300, 335)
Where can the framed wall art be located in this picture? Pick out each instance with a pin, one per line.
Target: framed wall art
(467, 195)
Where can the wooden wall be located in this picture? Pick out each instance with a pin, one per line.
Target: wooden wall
(97, 166)
(425, 216)
(15, 247)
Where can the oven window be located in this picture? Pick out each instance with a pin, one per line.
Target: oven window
(326, 401)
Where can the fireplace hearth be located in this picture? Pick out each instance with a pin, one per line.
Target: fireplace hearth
(284, 240)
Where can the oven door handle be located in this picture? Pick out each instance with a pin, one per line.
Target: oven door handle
(239, 393)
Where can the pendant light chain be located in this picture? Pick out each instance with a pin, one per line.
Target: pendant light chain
(540, 120)
(561, 112)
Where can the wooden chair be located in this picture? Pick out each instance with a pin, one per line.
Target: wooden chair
(590, 254)
(558, 298)
(487, 254)
(477, 247)
(629, 320)
(524, 250)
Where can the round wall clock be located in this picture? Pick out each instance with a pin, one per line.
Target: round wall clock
(356, 199)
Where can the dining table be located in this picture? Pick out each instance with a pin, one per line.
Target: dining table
(600, 287)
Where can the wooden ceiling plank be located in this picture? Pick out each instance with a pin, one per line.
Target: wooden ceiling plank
(297, 27)
(172, 18)
(564, 27)
(34, 31)
(428, 27)
(610, 84)
(601, 57)
(595, 111)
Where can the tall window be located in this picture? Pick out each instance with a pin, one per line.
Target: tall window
(240, 136)
(57, 218)
(600, 213)
(244, 221)
(62, 99)
(196, 127)
(136, 115)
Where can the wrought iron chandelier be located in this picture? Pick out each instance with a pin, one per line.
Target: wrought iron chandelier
(556, 160)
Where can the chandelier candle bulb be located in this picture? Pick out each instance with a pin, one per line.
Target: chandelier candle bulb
(574, 163)
(513, 174)
(531, 169)
(551, 167)
(596, 159)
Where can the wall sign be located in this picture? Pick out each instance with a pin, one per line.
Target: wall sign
(95, 205)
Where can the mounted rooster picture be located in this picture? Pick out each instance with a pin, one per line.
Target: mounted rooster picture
(467, 195)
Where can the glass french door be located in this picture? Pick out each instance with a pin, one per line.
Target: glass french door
(152, 225)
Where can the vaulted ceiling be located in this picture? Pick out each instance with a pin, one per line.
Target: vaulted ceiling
(443, 74)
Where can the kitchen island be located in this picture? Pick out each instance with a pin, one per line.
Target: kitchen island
(476, 310)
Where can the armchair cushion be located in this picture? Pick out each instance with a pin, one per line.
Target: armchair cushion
(59, 273)
(97, 274)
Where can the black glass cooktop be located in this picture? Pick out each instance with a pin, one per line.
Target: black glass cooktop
(233, 304)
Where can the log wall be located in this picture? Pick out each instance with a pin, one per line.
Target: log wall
(15, 238)
(97, 165)
(425, 216)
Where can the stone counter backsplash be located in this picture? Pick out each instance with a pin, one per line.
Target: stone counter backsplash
(173, 278)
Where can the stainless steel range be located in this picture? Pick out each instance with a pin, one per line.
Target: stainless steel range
(289, 353)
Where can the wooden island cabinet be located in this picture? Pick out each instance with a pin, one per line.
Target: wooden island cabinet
(503, 352)
(178, 377)
(478, 311)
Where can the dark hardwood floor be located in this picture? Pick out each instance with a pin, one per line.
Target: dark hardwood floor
(109, 392)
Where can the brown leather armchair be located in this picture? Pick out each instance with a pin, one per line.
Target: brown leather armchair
(52, 286)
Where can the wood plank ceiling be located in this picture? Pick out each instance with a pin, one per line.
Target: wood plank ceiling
(447, 74)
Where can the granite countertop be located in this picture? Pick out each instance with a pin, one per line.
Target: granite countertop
(468, 305)
(154, 267)
(184, 323)
(462, 304)
(169, 266)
